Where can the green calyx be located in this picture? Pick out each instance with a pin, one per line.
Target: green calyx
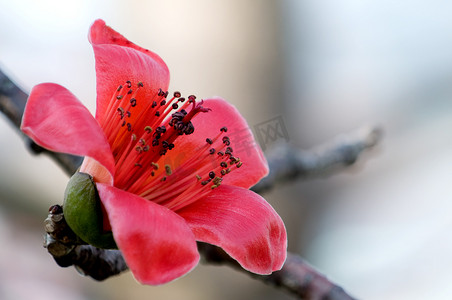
(83, 212)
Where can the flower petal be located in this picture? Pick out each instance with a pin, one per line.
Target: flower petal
(157, 244)
(119, 60)
(55, 119)
(243, 224)
(207, 125)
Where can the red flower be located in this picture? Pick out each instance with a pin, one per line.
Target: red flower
(169, 171)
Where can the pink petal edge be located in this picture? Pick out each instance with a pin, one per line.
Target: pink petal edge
(119, 60)
(157, 244)
(55, 119)
(243, 224)
(207, 125)
(100, 33)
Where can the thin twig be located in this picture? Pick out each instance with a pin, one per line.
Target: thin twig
(296, 276)
(288, 163)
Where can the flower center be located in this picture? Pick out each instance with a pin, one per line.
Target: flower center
(146, 137)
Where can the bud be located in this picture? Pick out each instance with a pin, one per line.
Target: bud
(83, 212)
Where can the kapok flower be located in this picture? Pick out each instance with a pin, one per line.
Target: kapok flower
(169, 171)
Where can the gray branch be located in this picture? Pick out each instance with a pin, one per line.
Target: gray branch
(286, 163)
(296, 276)
(69, 250)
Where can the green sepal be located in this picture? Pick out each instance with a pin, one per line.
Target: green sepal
(83, 212)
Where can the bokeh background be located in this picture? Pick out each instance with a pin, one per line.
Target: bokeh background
(380, 229)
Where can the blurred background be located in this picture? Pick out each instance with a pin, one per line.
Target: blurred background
(380, 229)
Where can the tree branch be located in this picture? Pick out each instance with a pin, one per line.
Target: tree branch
(286, 163)
(296, 276)
(67, 249)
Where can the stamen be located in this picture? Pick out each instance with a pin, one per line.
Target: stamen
(168, 170)
(138, 154)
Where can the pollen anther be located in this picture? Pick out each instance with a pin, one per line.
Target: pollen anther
(168, 170)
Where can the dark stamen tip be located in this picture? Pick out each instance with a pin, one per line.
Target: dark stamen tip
(217, 180)
(191, 98)
(168, 170)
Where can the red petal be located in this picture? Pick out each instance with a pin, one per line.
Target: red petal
(55, 119)
(243, 224)
(119, 60)
(207, 125)
(157, 244)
